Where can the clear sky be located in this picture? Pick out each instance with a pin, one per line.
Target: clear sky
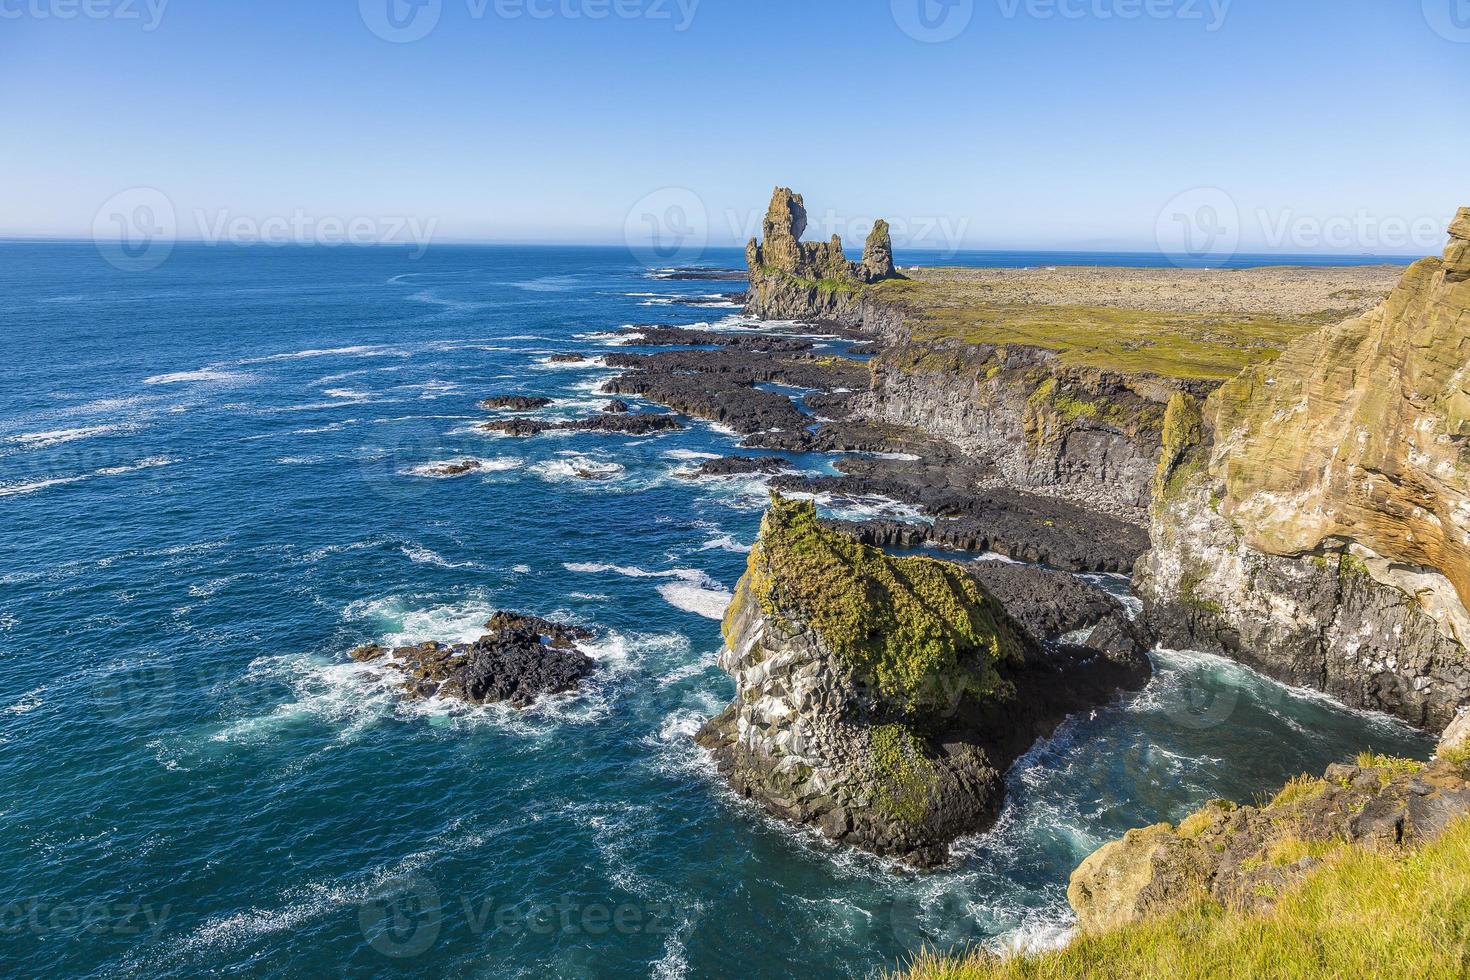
(1066, 124)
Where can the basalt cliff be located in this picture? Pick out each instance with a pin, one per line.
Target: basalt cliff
(1313, 514)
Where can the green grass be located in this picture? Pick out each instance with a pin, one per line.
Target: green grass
(1212, 346)
(1361, 914)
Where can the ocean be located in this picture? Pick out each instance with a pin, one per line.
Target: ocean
(215, 482)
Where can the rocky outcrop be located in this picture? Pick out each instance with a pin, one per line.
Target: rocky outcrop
(880, 700)
(515, 403)
(1044, 424)
(1314, 521)
(519, 660)
(792, 279)
(1245, 857)
(640, 424)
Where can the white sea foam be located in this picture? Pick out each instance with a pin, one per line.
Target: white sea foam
(56, 437)
(435, 469)
(547, 364)
(17, 489)
(358, 350)
(725, 543)
(203, 375)
(576, 468)
(427, 556)
(706, 602)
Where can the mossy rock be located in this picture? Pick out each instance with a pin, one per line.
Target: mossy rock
(922, 632)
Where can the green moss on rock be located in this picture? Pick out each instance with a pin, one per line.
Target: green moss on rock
(922, 631)
(905, 777)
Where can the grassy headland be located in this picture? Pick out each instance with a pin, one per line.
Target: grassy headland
(1178, 323)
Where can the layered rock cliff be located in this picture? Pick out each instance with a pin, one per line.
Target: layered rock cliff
(792, 279)
(1313, 518)
(880, 700)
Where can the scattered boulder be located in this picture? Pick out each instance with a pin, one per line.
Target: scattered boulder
(617, 407)
(566, 359)
(738, 466)
(458, 467)
(515, 403)
(519, 660)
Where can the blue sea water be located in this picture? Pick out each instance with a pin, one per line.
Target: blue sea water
(212, 488)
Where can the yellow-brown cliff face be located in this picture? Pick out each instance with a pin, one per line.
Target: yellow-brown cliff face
(1360, 434)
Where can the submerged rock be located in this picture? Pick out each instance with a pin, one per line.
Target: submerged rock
(1244, 857)
(519, 660)
(880, 700)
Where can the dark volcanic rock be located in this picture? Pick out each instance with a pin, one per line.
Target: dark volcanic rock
(1057, 606)
(518, 660)
(699, 274)
(660, 336)
(1025, 526)
(637, 425)
(518, 403)
(459, 467)
(567, 358)
(517, 427)
(616, 407)
(739, 466)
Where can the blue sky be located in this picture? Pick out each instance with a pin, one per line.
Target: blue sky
(1041, 124)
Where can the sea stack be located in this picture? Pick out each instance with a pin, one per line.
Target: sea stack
(879, 699)
(792, 279)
